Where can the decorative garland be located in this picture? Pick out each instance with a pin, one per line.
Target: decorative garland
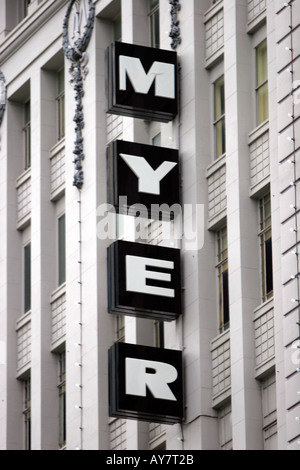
(77, 55)
(175, 30)
(2, 97)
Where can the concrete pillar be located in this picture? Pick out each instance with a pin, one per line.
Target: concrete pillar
(11, 437)
(97, 325)
(244, 286)
(44, 377)
(197, 327)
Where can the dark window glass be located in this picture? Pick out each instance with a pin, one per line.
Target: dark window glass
(266, 247)
(62, 399)
(222, 255)
(219, 117)
(118, 28)
(61, 250)
(27, 278)
(225, 297)
(154, 23)
(61, 103)
(27, 414)
(159, 334)
(27, 135)
(269, 266)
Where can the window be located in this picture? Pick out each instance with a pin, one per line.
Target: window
(157, 140)
(162, 446)
(61, 103)
(266, 247)
(225, 427)
(154, 23)
(269, 412)
(120, 328)
(26, 4)
(262, 89)
(27, 135)
(27, 414)
(27, 278)
(219, 117)
(62, 399)
(117, 23)
(61, 250)
(222, 267)
(159, 334)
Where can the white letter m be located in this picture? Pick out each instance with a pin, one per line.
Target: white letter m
(160, 72)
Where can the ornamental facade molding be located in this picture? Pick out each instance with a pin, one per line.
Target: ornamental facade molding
(175, 30)
(2, 96)
(75, 44)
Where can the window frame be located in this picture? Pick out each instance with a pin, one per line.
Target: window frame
(120, 328)
(265, 235)
(259, 86)
(154, 16)
(156, 140)
(27, 413)
(26, 4)
(61, 250)
(27, 135)
(62, 439)
(27, 278)
(117, 27)
(220, 119)
(60, 106)
(223, 268)
(159, 334)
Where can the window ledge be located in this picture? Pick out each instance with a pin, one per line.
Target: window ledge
(216, 165)
(214, 58)
(58, 192)
(258, 132)
(221, 339)
(59, 292)
(221, 398)
(25, 176)
(257, 21)
(259, 189)
(217, 221)
(157, 440)
(60, 145)
(265, 368)
(58, 345)
(24, 221)
(213, 10)
(23, 320)
(263, 308)
(24, 371)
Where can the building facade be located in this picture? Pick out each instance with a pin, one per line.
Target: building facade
(237, 133)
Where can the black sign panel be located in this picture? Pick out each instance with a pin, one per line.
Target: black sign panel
(141, 82)
(144, 281)
(143, 175)
(145, 383)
